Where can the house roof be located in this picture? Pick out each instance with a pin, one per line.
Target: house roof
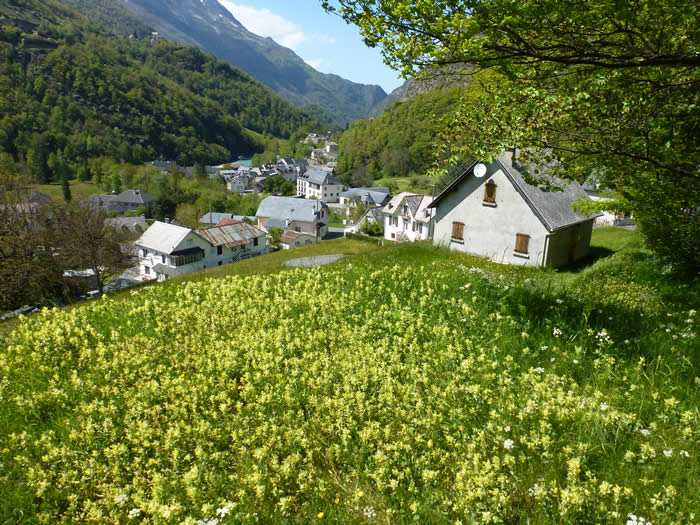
(134, 197)
(416, 204)
(130, 222)
(226, 221)
(107, 202)
(230, 235)
(292, 208)
(290, 236)
(367, 195)
(320, 177)
(37, 197)
(553, 208)
(162, 237)
(214, 217)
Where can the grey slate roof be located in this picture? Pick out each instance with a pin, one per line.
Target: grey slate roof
(214, 217)
(319, 177)
(367, 196)
(107, 202)
(292, 208)
(136, 224)
(134, 197)
(553, 208)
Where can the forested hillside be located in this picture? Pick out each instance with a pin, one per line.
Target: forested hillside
(400, 141)
(74, 89)
(211, 26)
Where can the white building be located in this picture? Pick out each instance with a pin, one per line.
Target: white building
(295, 214)
(292, 239)
(407, 217)
(319, 184)
(166, 250)
(492, 212)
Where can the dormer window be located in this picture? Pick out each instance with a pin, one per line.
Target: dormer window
(490, 192)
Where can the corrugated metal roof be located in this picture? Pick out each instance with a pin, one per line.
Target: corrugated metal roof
(231, 235)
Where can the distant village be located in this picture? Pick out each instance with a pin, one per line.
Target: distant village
(490, 211)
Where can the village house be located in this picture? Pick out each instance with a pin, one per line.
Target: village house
(368, 197)
(293, 214)
(166, 250)
(372, 215)
(491, 211)
(319, 184)
(407, 217)
(292, 239)
(127, 200)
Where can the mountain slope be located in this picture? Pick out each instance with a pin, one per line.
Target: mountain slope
(212, 27)
(73, 90)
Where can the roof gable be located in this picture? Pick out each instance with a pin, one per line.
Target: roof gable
(553, 208)
(163, 237)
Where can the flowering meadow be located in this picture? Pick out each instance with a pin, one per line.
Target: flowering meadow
(413, 385)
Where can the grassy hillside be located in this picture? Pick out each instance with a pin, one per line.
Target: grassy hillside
(74, 89)
(409, 384)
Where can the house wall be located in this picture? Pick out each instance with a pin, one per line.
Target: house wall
(211, 256)
(405, 227)
(490, 230)
(153, 258)
(559, 247)
(300, 241)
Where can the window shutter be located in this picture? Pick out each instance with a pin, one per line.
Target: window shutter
(458, 231)
(522, 242)
(490, 192)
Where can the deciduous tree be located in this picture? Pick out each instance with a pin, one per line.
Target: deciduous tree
(607, 88)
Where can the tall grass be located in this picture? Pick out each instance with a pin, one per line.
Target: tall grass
(405, 384)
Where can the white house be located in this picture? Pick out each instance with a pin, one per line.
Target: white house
(372, 215)
(366, 196)
(232, 240)
(295, 214)
(319, 184)
(606, 218)
(292, 239)
(492, 212)
(166, 250)
(407, 217)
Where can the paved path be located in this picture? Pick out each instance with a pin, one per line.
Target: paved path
(310, 262)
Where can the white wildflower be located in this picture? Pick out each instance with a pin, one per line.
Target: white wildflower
(369, 512)
(134, 513)
(603, 406)
(539, 370)
(668, 453)
(683, 453)
(506, 429)
(121, 499)
(556, 332)
(508, 444)
(644, 431)
(222, 511)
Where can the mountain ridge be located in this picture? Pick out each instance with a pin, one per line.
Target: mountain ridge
(210, 26)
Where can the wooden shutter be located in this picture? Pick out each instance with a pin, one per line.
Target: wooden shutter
(490, 192)
(458, 231)
(522, 242)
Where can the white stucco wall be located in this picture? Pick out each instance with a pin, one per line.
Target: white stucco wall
(559, 249)
(405, 227)
(211, 257)
(490, 230)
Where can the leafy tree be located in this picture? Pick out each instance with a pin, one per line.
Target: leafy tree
(275, 236)
(84, 242)
(374, 228)
(603, 87)
(29, 271)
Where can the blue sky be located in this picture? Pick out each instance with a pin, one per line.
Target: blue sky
(323, 40)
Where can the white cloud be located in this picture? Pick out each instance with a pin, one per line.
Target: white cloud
(314, 62)
(265, 23)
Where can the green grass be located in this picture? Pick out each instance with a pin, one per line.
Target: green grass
(405, 184)
(404, 384)
(79, 190)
